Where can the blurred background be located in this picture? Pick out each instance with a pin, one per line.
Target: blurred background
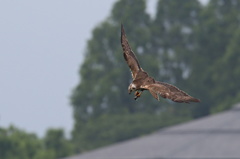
(64, 80)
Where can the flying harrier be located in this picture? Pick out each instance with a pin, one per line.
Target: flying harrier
(142, 81)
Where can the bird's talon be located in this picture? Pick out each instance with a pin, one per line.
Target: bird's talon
(137, 95)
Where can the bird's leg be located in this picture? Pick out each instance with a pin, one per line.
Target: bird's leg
(137, 94)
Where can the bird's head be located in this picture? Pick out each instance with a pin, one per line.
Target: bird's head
(131, 87)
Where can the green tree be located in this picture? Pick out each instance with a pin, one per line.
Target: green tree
(108, 129)
(218, 22)
(15, 144)
(104, 75)
(187, 44)
(103, 72)
(226, 73)
(56, 143)
(172, 37)
(173, 42)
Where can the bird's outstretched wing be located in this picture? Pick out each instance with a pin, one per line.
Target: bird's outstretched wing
(169, 91)
(129, 55)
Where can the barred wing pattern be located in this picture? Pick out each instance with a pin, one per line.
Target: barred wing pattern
(129, 55)
(169, 91)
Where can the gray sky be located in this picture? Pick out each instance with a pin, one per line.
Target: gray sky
(41, 48)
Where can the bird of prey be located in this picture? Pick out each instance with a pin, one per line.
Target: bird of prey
(142, 81)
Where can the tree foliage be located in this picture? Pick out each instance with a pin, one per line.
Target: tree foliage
(186, 43)
(214, 34)
(105, 76)
(16, 143)
(103, 62)
(111, 128)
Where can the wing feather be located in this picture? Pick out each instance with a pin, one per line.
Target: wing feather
(169, 91)
(129, 55)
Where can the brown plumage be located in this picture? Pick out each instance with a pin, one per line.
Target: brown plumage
(142, 81)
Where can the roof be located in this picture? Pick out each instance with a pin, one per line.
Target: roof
(214, 136)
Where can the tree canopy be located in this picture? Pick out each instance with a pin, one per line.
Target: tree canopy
(16, 143)
(188, 44)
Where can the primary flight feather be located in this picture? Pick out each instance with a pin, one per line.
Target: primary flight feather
(142, 81)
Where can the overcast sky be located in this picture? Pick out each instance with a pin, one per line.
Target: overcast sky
(41, 48)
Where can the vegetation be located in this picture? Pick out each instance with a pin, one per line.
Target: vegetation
(187, 44)
(16, 143)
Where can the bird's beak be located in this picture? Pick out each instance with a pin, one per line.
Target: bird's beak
(129, 91)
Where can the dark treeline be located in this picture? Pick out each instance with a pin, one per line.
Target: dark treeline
(187, 44)
(18, 144)
(193, 46)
